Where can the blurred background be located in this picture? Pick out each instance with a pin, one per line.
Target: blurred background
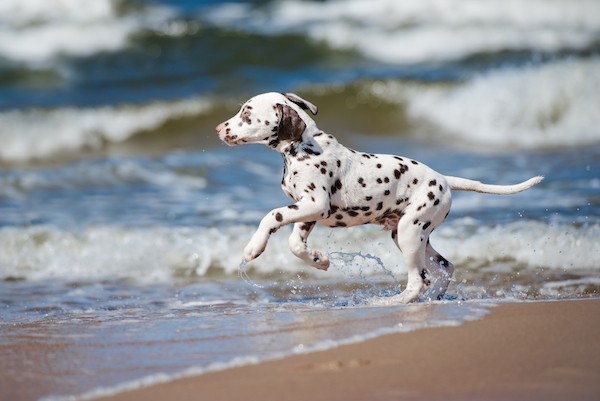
(85, 79)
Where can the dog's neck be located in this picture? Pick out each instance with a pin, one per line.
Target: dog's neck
(306, 146)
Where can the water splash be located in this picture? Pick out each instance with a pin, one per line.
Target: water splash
(344, 259)
(244, 275)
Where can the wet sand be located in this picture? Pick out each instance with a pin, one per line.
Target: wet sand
(522, 351)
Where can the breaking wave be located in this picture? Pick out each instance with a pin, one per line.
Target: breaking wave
(541, 106)
(163, 254)
(42, 133)
(71, 27)
(417, 31)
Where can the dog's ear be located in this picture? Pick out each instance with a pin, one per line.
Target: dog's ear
(305, 104)
(291, 126)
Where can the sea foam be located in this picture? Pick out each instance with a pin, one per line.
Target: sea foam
(43, 133)
(162, 254)
(417, 31)
(70, 27)
(541, 106)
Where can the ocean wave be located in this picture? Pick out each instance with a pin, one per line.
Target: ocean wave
(163, 254)
(41, 133)
(541, 106)
(36, 31)
(422, 31)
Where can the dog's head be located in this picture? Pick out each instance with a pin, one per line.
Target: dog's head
(270, 119)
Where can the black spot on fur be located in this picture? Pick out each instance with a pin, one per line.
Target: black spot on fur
(306, 226)
(432, 183)
(423, 274)
(442, 261)
(431, 196)
(293, 207)
(426, 225)
(311, 152)
(279, 217)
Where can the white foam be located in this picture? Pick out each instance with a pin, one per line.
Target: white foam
(160, 254)
(37, 134)
(35, 31)
(542, 106)
(528, 243)
(431, 30)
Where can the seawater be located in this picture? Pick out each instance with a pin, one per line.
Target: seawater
(123, 220)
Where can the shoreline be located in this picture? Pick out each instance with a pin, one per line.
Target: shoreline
(546, 350)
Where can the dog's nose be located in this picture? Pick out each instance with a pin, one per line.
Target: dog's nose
(219, 127)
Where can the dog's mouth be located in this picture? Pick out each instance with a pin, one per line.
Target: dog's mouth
(225, 136)
(230, 140)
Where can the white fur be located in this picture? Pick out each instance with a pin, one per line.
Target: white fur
(339, 187)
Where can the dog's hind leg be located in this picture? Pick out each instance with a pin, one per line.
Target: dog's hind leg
(438, 273)
(299, 247)
(407, 238)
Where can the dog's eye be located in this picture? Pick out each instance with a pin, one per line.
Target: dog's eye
(246, 116)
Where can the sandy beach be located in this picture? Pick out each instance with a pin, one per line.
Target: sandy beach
(532, 351)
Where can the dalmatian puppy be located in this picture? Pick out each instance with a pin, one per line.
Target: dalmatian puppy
(336, 186)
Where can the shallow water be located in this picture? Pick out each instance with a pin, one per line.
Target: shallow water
(123, 220)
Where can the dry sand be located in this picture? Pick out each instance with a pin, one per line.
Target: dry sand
(523, 351)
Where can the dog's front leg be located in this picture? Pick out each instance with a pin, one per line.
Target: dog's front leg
(300, 248)
(306, 210)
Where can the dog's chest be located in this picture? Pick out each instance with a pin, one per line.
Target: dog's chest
(307, 178)
(310, 168)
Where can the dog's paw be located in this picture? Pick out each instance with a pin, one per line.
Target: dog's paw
(251, 253)
(410, 294)
(255, 248)
(319, 260)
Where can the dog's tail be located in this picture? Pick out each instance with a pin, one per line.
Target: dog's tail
(463, 184)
